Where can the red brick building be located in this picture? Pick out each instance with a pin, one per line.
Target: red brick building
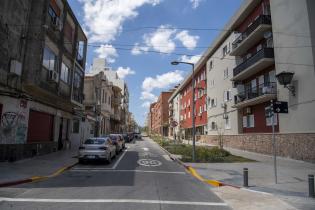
(159, 112)
(185, 91)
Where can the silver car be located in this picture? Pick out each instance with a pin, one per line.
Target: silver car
(97, 149)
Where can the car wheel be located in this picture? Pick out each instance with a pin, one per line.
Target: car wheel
(109, 158)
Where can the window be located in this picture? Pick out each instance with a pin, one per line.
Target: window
(205, 107)
(227, 123)
(226, 73)
(210, 65)
(49, 59)
(248, 121)
(64, 74)
(213, 102)
(213, 126)
(227, 95)
(225, 51)
(200, 110)
(75, 126)
(188, 114)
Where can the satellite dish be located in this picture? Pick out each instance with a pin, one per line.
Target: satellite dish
(267, 34)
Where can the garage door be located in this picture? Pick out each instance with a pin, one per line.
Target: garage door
(40, 127)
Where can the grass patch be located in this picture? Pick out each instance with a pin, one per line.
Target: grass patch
(203, 154)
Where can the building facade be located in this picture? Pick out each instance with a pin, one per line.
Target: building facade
(41, 84)
(159, 112)
(98, 92)
(174, 115)
(263, 47)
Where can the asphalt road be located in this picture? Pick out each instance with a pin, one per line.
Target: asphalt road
(142, 177)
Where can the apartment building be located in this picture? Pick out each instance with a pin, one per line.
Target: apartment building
(98, 93)
(185, 99)
(222, 117)
(159, 113)
(267, 42)
(43, 53)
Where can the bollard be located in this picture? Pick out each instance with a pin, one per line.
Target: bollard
(245, 176)
(311, 186)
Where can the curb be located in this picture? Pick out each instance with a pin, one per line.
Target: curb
(36, 178)
(194, 173)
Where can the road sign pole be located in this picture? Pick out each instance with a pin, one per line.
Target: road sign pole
(274, 142)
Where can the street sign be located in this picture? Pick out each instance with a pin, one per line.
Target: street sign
(280, 107)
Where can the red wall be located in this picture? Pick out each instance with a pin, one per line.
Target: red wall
(199, 120)
(250, 18)
(260, 120)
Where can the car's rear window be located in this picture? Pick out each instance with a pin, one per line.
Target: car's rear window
(95, 141)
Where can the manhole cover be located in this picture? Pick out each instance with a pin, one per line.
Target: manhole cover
(149, 162)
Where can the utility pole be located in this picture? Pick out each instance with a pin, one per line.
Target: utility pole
(272, 113)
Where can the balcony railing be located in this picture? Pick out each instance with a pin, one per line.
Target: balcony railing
(261, 54)
(262, 19)
(254, 92)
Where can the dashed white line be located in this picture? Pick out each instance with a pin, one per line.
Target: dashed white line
(47, 200)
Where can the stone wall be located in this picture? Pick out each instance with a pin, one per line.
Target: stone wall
(295, 146)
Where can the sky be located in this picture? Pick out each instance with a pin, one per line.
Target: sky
(140, 38)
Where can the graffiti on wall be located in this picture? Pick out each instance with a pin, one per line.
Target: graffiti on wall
(13, 129)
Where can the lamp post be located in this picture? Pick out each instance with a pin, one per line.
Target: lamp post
(193, 106)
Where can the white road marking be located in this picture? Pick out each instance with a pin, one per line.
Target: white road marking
(111, 168)
(136, 171)
(117, 162)
(167, 157)
(48, 200)
(149, 162)
(145, 149)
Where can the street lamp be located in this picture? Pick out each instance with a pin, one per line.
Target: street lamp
(285, 79)
(193, 106)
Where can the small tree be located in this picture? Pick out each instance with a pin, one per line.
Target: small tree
(221, 131)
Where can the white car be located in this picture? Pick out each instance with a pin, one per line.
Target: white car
(97, 149)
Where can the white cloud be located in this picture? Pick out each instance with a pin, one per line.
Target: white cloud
(162, 81)
(103, 19)
(137, 49)
(123, 72)
(163, 40)
(190, 42)
(108, 52)
(148, 96)
(192, 59)
(195, 3)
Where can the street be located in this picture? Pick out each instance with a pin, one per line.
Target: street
(142, 177)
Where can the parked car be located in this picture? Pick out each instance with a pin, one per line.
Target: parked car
(131, 136)
(97, 149)
(119, 141)
(126, 137)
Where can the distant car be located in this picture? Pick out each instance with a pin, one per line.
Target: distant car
(131, 136)
(138, 135)
(97, 149)
(144, 135)
(119, 141)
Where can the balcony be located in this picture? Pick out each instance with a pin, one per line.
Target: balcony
(259, 61)
(252, 35)
(256, 95)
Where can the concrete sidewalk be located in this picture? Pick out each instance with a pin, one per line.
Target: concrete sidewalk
(292, 184)
(43, 165)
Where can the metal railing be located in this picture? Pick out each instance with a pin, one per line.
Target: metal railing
(263, 53)
(254, 92)
(262, 19)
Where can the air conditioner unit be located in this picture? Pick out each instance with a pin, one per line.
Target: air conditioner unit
(248, 110)
(16, 67)
(53, 76)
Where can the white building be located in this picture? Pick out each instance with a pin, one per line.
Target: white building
(222, 118)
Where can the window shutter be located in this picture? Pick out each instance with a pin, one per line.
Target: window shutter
(252, 121)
